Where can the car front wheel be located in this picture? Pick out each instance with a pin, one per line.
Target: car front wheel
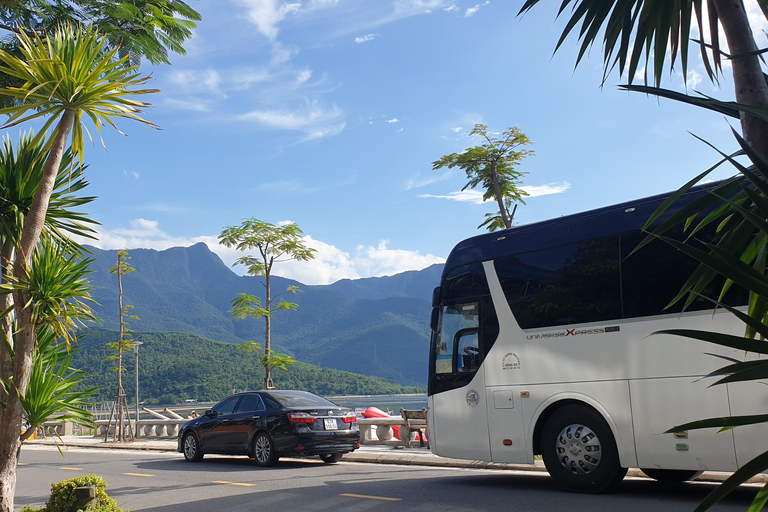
(191, 445)
(264, 450)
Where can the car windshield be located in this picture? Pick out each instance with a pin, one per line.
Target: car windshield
(300, 399)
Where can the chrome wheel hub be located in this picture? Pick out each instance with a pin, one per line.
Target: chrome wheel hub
(262, 449)
(190, 447)
(578, 449)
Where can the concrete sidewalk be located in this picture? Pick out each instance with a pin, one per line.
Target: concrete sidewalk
(376, 454)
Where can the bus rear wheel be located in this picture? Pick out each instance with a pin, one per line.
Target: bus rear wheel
(580, 452)
(671, 476)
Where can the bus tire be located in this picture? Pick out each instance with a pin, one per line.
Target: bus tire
(671, 476)
(580, 452)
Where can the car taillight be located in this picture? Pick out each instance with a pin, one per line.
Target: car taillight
(349, 418)
(301, 417)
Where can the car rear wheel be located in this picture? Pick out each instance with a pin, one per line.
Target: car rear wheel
(330, 458)
(191, 445)
(264, 450)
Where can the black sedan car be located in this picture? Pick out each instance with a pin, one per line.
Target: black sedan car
(269, 424)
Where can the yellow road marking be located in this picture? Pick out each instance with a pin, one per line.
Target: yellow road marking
(370, 497)
(22, 464)
(137, 474)
(72, 469)
(234, 483)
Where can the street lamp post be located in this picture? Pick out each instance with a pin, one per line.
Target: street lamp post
(135, 345)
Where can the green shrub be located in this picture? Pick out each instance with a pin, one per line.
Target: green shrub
(63, 497)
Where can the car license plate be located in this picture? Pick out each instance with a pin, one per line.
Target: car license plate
(330, 424)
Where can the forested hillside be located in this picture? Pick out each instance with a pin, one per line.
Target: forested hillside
(174, 367)
(374, 326)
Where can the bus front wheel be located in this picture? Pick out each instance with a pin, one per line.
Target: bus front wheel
(580, 452)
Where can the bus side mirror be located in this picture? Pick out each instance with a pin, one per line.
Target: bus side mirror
(435, 317)
(436, 296)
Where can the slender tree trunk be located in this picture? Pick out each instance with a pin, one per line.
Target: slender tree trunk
(10, 422)
(268, 384)
(6, 323)
(120, 391)
(748, 80)
(499, 199)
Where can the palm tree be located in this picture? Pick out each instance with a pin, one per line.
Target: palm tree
(66, 76)
(661, 26)
(20, 173)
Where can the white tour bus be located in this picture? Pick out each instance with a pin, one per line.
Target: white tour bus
(542, 344)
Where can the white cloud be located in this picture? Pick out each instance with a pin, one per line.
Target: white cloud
(451, 8)
(322, 4)
(457, 129)
(366, 38)
(393, 120)
(196, 80)
(472, 10)
(546, 190)
(463, 196)
(245, 78)
(282, 53)
(311, 117)
(418, 182)
(476, 197)
(303, 75)
(267, 14)
(192, 104)
(694, 79)
(329, 265)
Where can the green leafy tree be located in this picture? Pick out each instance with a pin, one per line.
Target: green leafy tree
(274, 244)
(643, 33)
(55, 390)
(20, 172)
(140, 28)
(66, 76)
(492, 166)
(274, 360)
(120, 407)
(60, 298)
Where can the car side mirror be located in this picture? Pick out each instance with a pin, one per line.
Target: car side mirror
(211, 413)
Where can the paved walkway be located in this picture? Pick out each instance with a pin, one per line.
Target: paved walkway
(366, 453)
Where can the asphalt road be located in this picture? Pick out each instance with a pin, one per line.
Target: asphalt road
(149, 481)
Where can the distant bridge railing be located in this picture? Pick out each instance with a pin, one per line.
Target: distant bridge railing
(373, 431)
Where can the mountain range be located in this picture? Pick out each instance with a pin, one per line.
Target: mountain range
(373, 326)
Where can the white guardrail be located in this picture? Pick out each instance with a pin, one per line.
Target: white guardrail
(372, 430)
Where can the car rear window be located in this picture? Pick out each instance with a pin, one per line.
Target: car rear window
(300, 399)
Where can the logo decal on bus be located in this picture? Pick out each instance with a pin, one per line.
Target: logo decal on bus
(573, 332)
(473, 398)
(510, 362)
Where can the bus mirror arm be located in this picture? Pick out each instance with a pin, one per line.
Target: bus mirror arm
(433, 324)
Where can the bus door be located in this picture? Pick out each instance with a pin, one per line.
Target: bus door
(457, 402)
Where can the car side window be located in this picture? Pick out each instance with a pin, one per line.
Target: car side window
(250, 403)
(227, 406)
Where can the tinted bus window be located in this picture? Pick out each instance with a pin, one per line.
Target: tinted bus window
(655, 274)
(570, 284)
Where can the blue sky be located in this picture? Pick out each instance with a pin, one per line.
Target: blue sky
(329, 113)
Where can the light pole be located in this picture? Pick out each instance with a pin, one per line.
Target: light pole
(136, 345)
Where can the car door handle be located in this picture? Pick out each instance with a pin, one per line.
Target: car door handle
(224, 421)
